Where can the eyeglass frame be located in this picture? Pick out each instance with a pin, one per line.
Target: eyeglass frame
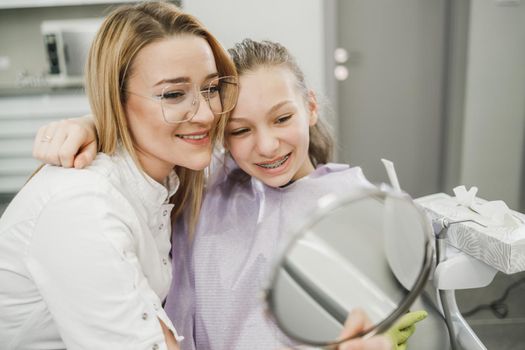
(196, 101)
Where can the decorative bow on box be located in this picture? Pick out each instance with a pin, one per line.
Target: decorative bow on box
(493, 213)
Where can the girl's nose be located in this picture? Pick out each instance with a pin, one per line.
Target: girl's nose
(267, 144)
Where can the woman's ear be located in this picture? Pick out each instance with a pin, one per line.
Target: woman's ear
(312, 108)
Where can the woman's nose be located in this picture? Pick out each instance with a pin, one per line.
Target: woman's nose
(204, 114)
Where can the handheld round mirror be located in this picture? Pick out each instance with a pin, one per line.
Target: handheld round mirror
(370, 251)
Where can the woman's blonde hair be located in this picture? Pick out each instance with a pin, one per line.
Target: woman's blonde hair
(249, 55)
(124, 32)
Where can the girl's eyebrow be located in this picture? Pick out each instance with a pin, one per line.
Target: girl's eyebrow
(270, 111)
(278, 105)
(238, 119)
(184, 79)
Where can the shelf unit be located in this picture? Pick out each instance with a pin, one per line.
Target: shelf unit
(20, 118)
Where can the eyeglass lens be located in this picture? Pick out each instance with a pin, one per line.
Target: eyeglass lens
(180, 102)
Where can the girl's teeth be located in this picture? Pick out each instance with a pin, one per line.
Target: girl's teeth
(275, 164)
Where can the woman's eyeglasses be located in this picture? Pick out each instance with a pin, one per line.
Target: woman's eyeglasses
(180, 101)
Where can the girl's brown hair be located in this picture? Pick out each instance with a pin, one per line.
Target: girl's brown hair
(249, 55)
(124, 32)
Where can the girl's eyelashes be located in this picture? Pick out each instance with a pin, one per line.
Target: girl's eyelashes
(240, 131)
(243, 130)
(283, 119)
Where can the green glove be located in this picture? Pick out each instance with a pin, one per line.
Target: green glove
(404, 328)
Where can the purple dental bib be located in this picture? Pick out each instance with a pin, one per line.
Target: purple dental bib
(215, 300)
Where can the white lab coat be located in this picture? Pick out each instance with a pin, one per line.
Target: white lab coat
(84, 259)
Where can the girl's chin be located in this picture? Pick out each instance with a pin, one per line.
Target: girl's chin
(277, 181)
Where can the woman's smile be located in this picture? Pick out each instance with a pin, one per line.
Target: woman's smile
(197, 138)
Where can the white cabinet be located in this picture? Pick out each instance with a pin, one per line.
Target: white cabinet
(20, 118)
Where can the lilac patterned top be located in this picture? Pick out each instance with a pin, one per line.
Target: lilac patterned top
(215, 299)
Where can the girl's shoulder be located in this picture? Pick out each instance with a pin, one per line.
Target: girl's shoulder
(341, 172)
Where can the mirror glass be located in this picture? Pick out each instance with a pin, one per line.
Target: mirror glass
(367, 251)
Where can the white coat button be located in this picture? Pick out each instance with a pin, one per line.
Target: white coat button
(164, 213)
(165, 261)
(155, 346)
(144, 316)
(161, 226)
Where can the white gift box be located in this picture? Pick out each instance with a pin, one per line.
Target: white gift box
(498, 244)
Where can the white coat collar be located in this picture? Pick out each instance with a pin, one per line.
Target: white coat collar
(145, 187)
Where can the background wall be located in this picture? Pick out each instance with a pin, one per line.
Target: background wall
(391, 104)
(297, 24)
(494, 123)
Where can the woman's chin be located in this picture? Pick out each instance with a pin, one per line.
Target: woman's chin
(197, 164)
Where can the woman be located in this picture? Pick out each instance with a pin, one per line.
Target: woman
(84, 255)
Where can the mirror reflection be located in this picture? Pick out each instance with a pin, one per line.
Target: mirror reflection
(365, 252)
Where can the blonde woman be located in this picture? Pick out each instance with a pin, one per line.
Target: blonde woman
(84, 255)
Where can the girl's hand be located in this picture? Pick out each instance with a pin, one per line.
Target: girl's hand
(67, 143)
(357, 322)
(377, 342)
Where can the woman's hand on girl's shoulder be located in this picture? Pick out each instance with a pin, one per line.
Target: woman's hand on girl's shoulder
(67, 143)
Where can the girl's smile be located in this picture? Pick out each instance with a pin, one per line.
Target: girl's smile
(276, 163)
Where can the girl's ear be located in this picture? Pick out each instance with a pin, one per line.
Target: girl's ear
(312, 108)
